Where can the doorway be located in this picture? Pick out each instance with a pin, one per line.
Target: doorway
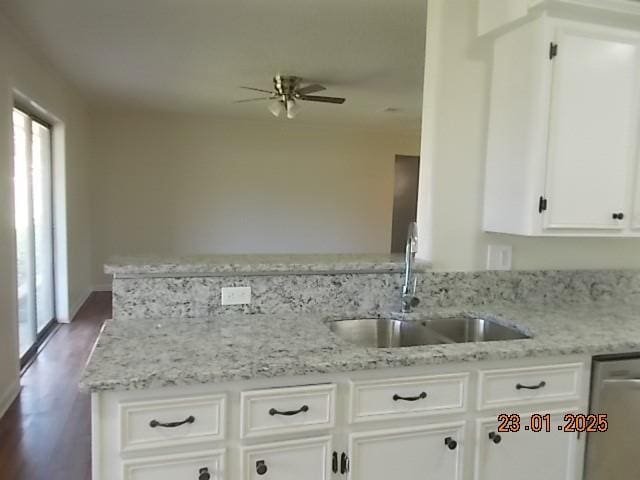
(405, 199)
(32, 138)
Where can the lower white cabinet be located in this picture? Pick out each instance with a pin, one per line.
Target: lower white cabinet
(301, 459)
(407, 453)
(199, 466)
(527, 455)
(406, 424)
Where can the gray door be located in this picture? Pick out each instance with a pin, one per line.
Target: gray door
(405, 199)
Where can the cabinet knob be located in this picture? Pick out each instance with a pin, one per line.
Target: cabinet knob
(261, 467)
(344, 463)
(204, 474)
(618, 216)
(451, 443)
(494, 437)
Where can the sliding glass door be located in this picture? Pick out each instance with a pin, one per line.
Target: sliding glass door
(34, 229)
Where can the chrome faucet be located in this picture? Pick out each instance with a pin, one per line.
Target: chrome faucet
(409, 299)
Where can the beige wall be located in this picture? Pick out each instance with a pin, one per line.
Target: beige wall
(456, 95)
(178, 183)
(23, 69)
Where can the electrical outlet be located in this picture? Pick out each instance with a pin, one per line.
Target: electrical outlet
(499, 257)
(235, 295)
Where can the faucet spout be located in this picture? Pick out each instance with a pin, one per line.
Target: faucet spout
(409, 300)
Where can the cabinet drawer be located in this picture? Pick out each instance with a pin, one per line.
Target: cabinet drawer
(521, 386)
(287, 410)
(303, 459)
(172, 467)
(407, 397)
(171, 422)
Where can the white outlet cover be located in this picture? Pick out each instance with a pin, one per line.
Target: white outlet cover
(499, 257)
(235, 295)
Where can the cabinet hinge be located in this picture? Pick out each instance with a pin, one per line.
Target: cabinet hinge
(553, 50)
(542, 204)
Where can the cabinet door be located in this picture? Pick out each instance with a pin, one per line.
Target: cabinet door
(592, 132)
(525, 455)
(407, 454)
(176, 466)
(308, 459)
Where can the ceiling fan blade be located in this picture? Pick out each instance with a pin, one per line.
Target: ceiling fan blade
(253, 99)
(258, 90)
(310, 89)
(317, 98)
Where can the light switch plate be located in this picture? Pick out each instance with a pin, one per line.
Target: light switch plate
(235, 295)
(499, 257)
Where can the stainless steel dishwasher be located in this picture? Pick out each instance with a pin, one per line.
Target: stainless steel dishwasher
(615, 391)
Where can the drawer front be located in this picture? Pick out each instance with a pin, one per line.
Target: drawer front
(173, 467)
(408, 397)
(287, 410)
(304, 459)
(522, 386)
(172, 422)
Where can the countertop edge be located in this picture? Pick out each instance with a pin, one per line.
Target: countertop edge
(489, 355)
(224, 266)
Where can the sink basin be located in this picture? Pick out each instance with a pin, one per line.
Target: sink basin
(472, 329)
(388, 333)
(385, 333)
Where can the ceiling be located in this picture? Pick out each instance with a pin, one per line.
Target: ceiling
(192, 55)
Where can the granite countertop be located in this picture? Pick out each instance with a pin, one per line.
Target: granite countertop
(254, 264)
(155, 353)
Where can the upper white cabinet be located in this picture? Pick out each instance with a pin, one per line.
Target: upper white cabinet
(563, 131)
(496, 14)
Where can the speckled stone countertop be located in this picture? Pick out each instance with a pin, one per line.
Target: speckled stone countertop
(254, 264)
(243, 347)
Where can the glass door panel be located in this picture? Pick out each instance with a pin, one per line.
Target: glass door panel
(24, 234)
(34, 229)
(42, 223)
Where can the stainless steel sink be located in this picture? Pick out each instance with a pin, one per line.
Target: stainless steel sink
(387, 333)
(471, 329)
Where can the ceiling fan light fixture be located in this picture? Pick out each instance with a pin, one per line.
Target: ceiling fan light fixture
(277, 108)
(293, 108)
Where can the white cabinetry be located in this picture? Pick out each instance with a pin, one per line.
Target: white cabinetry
(563, 129)
(201, 465)
(409, 453)
(496, 14)
(308, 459)
(407, 423)
(525, 455)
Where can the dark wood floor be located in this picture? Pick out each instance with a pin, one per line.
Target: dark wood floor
(46, 433)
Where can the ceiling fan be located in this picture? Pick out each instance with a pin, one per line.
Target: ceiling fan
(287, 92)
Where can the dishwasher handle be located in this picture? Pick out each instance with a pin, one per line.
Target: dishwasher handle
(622, 383)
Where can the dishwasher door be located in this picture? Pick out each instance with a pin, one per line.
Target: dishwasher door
(615, 391)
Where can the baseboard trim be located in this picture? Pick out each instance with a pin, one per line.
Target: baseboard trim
(102, 287)
(7, 398)
(75, 308)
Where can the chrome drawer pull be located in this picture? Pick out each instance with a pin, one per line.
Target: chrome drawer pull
(156, 423)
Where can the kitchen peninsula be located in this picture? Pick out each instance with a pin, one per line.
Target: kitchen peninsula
(267, 390)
